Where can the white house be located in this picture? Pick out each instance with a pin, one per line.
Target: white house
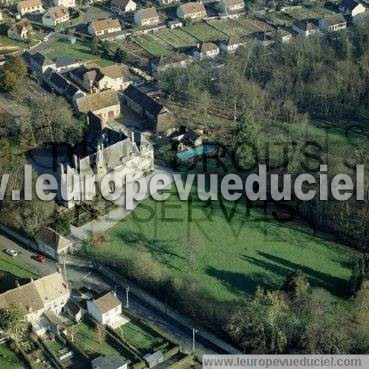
(206, 50)
(55, 15)
(305, 28)
(52, 243)
(166, 2)
(231, 5)
(351, 7)
(147, 17)
(194, 10)
(104, 26)
(232, 44)
(106, 310)
(49, 293)
(30, 6)
(332, 23)
(123, 6)
(65, 3)
(361, 18)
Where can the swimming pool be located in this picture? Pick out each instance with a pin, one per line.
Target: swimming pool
(198, 151)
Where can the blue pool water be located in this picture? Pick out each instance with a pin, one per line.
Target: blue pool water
(198, 151)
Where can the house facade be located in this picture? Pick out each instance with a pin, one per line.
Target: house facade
(21, 30)
(106, 310)
(228, 6)
(96, 78)
(49, 293)
(351, 7)
(104, 26)
(65, 3)
(124, 6)
(163, 63)
(305, 28)
(147, 17)
(29, 6)
(194, 10)
(333, 23)
(52, 243)
(361, 18)
(206, 50)
(110, 154)
(55, 16)
(232, 44)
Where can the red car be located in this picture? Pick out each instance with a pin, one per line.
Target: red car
(40, 258)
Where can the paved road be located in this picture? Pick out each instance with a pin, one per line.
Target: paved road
(78, 276)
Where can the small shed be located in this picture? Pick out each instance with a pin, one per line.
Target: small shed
(154, 359)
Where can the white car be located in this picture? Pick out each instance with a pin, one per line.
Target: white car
(11, 252)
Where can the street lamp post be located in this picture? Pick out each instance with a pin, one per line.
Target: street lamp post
(194, 331)
(127, 291)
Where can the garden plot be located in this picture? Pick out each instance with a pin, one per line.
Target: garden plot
(254, 25)
(230, 27)
(203, 32)
(153, 45)
(177, 38)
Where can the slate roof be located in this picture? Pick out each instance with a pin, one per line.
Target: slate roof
(80, 72)
(49, 236)
(41, 59)
(305, 25)
(349, 4)
(107, 302)
(144, 100)
(120, 3)
(65, 61)
(108, 362)
(97, 101)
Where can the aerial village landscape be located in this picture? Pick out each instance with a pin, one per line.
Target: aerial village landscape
(145, 87)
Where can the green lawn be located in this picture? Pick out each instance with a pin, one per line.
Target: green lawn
(177, 37)
(204, 32)
(143, 339)
(253, 25)
(9, 359)
(230, 27)
(87, 338)
(82, 51)
(231, 252)
(153, 45)
(12, 269)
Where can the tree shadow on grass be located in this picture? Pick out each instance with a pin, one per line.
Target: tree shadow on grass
(335, 285)
(157, 249)
(239, 283)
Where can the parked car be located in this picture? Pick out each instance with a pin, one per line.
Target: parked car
(11, 252)
(40, 258)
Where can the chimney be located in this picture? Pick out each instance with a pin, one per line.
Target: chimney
(61, 169)
(17, 284)
(133, 136)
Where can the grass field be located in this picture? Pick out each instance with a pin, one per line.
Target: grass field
(230, 253)
(153, 45)
(9, 359)
(177, 38)
(87, 338)
(230, 27)
(11, 269)
(82, 51)
(142, 339)
(204, 32)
